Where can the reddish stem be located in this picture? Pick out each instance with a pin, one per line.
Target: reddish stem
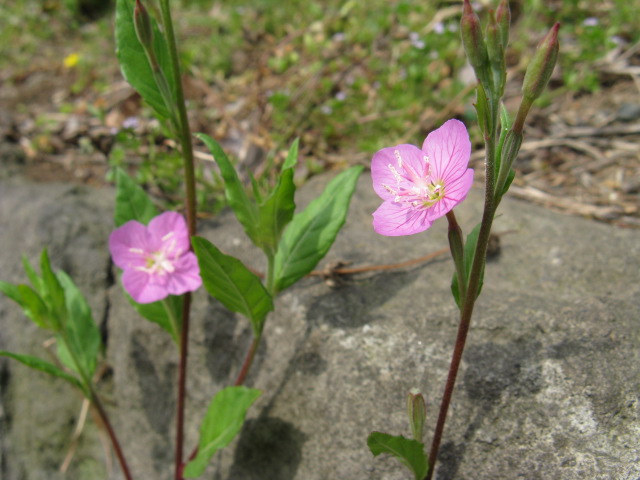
(182, 380)
(248, 361)
(97, 404)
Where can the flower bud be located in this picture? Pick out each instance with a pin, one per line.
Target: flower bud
(540, 69)
(417, 411)
(474, 45)
(503, 17)
(496, 54)
(142, 25)
(510, 149)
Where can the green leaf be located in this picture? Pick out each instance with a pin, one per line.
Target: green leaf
(46, 367)
(276, 212)
(311, 233)
(32, 305)
(53, 294)
(11, 291)
(132, 202)
(35, 308)
(292, 155)
(221, 424)
(410, 452)
(469, 255)
(507, 183)
(227, 279)
(245, 210)
(162, 312)
(133, 60)
(34, 278)
(80, 344)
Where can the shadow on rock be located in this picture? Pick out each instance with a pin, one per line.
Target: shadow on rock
(269, 448)
(158, 398)
(349, 305)
(223, 351)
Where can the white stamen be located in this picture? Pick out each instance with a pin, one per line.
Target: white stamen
(395, 173)
(398, 157)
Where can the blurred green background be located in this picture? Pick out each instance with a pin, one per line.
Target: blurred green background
(346, 77)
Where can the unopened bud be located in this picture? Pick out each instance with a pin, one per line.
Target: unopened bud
(474, 45)
(496, 54)
(510, 149)
(503, 17)
(540, 69)
(142, 25)
(417, 411)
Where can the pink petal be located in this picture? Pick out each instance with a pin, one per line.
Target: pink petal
(448, 149)
(141, 287)
(170, 223)
(395, 219)
(455, 192)
(131, 235)
(382, 174)
(186, 277)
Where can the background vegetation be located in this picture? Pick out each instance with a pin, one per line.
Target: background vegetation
(347, 77)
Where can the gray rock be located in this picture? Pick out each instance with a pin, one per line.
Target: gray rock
(548, 388)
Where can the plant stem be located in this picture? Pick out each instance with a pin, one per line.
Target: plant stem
(475, 277)
(184, 135)
(461, 338)
(97, 404)
(182, 380)
(248, 361)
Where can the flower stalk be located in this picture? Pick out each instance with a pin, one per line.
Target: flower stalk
(184, 135)
(499, 157)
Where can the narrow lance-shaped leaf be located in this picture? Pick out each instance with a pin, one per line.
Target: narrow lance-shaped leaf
(43, 366)
(245, 210)
(410, 452)
(277, 210)
(132, 202)
(32, 305)
(469, 255)
(292, 155)
(311, 233)
(53, 293)
(227, 279)
(80, 345)
(221, 424)
(133, 60)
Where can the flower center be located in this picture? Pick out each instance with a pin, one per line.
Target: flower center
(419, 191)
(162, 261)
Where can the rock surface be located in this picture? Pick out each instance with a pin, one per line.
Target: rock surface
(549, 386)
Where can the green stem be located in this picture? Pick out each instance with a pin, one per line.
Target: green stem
(184, 135)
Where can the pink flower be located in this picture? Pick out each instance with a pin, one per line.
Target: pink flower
(156, 259)
(419, 186)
